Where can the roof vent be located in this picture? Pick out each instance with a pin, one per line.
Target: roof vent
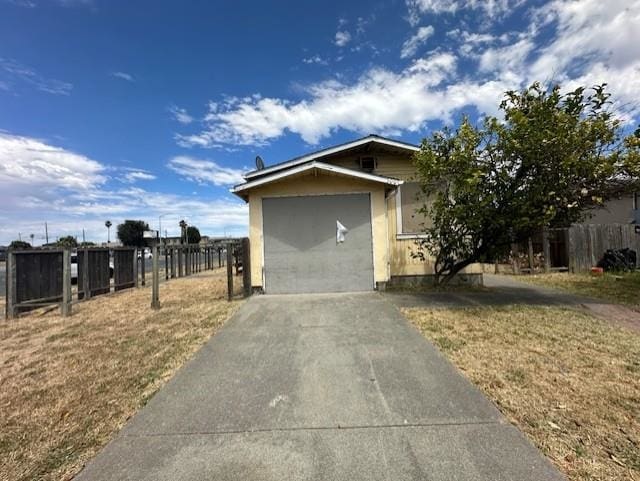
(368, 163)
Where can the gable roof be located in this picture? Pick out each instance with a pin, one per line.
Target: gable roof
(242, 188)
(332, 150)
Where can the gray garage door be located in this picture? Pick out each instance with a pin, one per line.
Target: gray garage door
(301, 253)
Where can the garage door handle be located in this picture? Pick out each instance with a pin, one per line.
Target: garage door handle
(341, 232)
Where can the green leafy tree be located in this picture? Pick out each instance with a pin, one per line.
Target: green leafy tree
(87, 244)
(131, 233)
(18, 244)
(552, 159)
(193, 235)
(67, 241)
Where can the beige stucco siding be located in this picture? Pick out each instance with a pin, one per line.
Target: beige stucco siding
(321, 184)
(401, 262)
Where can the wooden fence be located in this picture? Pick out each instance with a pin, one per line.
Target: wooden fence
(574, 249)
(588, 243)
(44, 277)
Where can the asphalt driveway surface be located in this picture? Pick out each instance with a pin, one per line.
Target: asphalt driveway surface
(319, 387)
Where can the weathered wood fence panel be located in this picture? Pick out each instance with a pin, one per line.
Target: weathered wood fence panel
(588, 243)
(124, 275)
(34, 279)
(95, 262)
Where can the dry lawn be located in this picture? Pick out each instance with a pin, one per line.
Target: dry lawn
(67, 385)
(569, 381)
(621, 288)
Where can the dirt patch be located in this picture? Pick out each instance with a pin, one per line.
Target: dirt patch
(67, 385)
(570, 381)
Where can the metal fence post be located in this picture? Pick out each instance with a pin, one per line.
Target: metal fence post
(155, 280)
(173, 263)
(11, 309)
(219, 257)
(229, 271)
(65, 306)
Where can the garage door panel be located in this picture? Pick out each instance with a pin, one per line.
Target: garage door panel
(301, 253)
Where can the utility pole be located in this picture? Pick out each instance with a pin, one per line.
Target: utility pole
(83, 239)
(46, 233)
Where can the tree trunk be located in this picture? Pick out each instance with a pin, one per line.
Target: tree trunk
(457, 267)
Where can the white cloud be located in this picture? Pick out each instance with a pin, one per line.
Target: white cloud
(123, 76)
(180, 114)
(136, 175)
(40, 182)
(15, 73)
(491, 9)
(585, 42)
(379, 101)
(410, 47)
(205, 171)
(590, 30)
(342, 38)
(28, 165)
(504, 59)
(315, 59)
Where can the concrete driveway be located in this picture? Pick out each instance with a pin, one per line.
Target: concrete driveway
(319, 387)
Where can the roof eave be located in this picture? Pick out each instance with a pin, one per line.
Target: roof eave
(330, 151)
(241, 190)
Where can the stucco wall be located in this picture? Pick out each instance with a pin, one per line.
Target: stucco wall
(320, 184)
(401, 262)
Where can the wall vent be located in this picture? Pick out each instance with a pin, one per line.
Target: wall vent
(368, 163)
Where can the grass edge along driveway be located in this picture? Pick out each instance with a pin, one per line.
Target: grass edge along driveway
(616, 288)
(571, 382)
(67, 385)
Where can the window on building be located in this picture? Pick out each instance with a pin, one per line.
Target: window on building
(411, 199)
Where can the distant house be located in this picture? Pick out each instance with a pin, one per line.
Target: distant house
(625, 210)
(339, 219)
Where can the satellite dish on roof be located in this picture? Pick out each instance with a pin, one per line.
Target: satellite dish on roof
(259, 163)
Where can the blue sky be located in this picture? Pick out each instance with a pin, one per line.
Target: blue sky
(114, 109)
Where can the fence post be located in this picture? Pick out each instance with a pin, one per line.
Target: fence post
(65, 306)
(515, 251)
(135, 267)
(530, 249)
(173, 263)
(166, 264)
(546, 249)
(229, 271)
(143, 268)
(246, 267)
(155, 279)
(11, 310)
(219, 257)
(86, 286)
